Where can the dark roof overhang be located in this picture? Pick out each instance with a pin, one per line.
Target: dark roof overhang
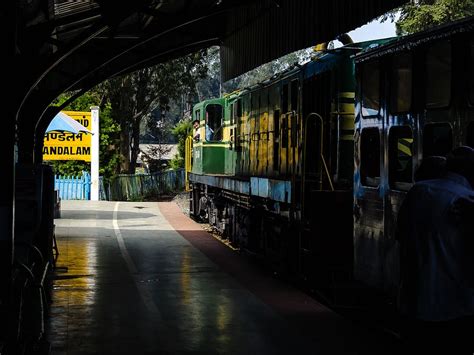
(410, 42)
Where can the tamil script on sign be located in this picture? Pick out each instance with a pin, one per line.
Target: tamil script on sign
(69, 146)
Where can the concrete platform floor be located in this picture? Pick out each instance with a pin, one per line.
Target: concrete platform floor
(142, 278)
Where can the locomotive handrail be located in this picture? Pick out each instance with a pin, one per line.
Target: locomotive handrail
(314, 114)
(188, 161)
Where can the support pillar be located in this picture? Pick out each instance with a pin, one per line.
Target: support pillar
(95, 154)
(10, 98)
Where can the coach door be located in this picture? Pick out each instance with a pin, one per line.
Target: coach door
(401, 152)
(369, 187)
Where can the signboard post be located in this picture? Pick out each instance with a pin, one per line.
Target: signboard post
(95, 154)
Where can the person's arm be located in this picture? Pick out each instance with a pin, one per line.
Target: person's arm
(197, 135)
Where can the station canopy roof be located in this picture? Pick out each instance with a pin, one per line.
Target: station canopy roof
(64, 45)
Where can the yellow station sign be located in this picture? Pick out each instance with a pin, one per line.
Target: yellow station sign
(69, 146)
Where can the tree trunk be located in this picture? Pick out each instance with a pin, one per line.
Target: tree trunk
(124, 150)
(135, 149)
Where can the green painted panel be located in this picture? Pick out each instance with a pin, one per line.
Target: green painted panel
(209, 159)
(230, 160)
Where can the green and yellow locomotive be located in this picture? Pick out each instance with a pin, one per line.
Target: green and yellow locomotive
(308, 169)
(273, 166)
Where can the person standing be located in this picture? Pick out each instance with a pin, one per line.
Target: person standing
(196, 134)
(436, 232)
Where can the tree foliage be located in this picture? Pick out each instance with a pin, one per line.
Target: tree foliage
(268, 70)
(134, 96)
(210, 87)
(422, 14)
(181, 131)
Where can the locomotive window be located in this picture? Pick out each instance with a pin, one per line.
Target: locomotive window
(197, 115)
(245, 105)
(232, 114)
(294, 95)
(370, 89)
(370, 157)
(276, 139)
(284, 131)
(213, 122)
(400, 155)
(276, 124)
(470, 135)
(284, 99)
(239, 109)
(401, 83)
(471, 79)
(438, 75)
(294, 130)
(437, 139)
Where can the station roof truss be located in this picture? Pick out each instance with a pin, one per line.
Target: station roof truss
(63, 45)
(110, 37)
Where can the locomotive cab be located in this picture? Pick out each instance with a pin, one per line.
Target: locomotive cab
(211, 139)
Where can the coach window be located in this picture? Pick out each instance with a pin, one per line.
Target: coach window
(470, 134)
(401, 84)
(438, 75)
(213, 122)
(370, 157)
(437, 139)
(400, 155)
(370, 89)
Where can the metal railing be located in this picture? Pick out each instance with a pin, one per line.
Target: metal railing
(126, 187)
(73, 187)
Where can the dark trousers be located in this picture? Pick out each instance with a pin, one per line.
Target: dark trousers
(442, 337)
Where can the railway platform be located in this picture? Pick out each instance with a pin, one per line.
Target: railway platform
(143, 278)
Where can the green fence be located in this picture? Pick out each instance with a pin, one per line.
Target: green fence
(143, 186)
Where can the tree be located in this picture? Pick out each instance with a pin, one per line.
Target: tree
(268, 70)
(134, 96)
(108, 156)
(210, 86)
(422, 14)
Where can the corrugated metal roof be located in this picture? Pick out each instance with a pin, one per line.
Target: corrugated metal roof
(420, 38)
(64, 8)
(269, 29)
(158, 151)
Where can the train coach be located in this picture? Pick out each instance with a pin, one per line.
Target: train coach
(415, 98)
(307, 169)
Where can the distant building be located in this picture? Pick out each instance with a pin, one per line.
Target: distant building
(155, 157)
